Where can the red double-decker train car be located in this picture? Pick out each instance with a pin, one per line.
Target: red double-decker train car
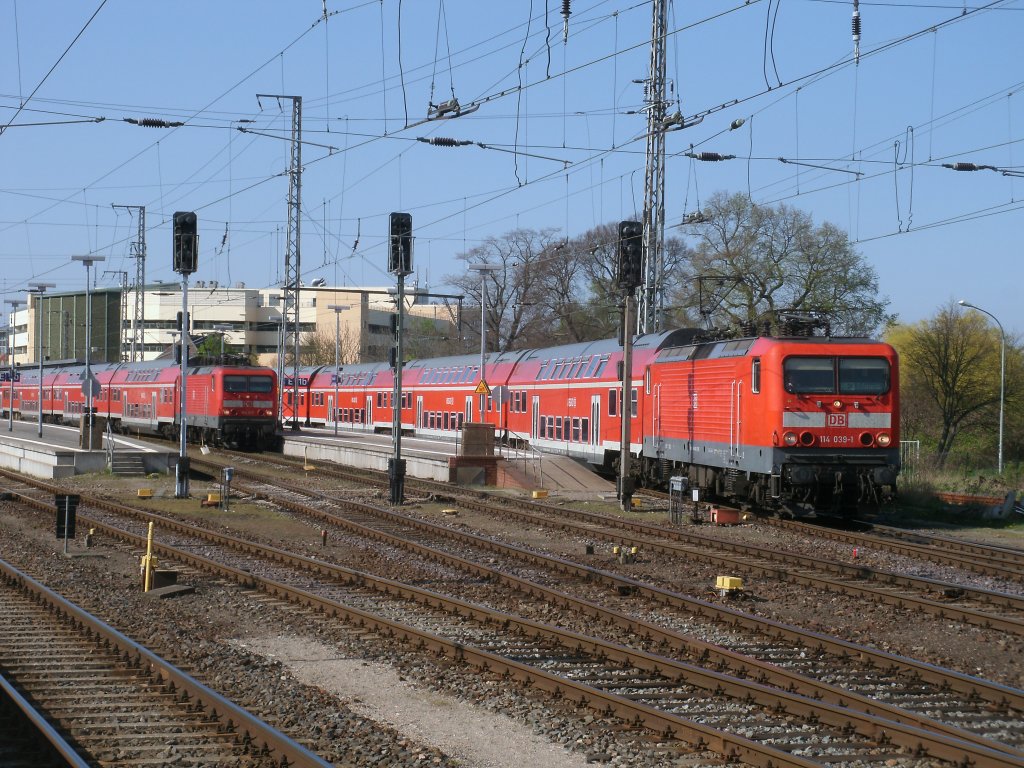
(790, 423)
(227, 404)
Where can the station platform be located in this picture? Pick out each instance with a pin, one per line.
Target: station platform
(57, 454)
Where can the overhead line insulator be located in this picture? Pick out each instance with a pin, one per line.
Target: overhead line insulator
(443, 141)
(710, 157)
(153, 122)
(968, 167)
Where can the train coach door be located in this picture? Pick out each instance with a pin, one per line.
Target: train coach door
(368, 420)
(153, 414)
(535, 417)
(595, 419)
(419, 411)
(332, 415)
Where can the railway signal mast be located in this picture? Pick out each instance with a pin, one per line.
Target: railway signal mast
(400, 265)
(185, 255)
(630, 276)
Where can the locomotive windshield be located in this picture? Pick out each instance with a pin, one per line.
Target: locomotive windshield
(830, 375)
(248, 384)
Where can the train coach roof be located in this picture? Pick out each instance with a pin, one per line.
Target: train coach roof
(649, 341)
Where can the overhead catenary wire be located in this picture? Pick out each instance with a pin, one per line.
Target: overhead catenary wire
(525, 145)
(50, 71)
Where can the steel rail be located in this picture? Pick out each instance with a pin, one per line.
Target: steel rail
(249, 728)
(52, 739)
(938, 745)
(992, 551)
(991, 565)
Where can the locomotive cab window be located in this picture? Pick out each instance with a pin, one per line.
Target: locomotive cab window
(755, 375)
(260, 384)
(844, 375)
(809, 375)
(863, 375)
(248, 384)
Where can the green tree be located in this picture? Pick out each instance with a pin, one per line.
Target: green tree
(951, 361)
(755, 262)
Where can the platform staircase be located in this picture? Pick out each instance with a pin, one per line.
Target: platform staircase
(127, 464)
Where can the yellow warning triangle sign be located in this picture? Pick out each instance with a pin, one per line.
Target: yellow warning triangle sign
(482, 388)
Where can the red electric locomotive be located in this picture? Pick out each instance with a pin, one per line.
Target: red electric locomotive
(233, 404)
(786, 423)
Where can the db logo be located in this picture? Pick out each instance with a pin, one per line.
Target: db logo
(837, 419)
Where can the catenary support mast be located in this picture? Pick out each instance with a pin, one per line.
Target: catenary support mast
(136, 348)
(652, 291)
(292, 258)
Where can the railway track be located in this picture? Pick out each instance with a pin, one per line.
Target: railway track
(645, 684)
(999, 562)
(78, 681)
(944, 600)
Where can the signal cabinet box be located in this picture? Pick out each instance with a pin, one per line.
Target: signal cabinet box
(725, 516)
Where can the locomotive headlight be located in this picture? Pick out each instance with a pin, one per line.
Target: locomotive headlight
(789, 438)
(884, 439)
(837, 403)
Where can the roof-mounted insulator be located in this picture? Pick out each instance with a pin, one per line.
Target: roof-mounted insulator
(566, 12)
(442, 141)
(855, 27)
(709, 157)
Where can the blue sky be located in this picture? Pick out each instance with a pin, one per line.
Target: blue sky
(938, 82)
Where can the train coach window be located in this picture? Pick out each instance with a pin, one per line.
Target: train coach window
(613, 399)
(809, 375)
(863, 375)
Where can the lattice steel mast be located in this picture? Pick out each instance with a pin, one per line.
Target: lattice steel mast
(292, 260)
(651, 292)
(138, 332)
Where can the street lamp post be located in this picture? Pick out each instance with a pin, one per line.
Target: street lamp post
(483, 269)
(15, 303)
(39, 289)
(338, 309)
(1002, 374)
(90, 384)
